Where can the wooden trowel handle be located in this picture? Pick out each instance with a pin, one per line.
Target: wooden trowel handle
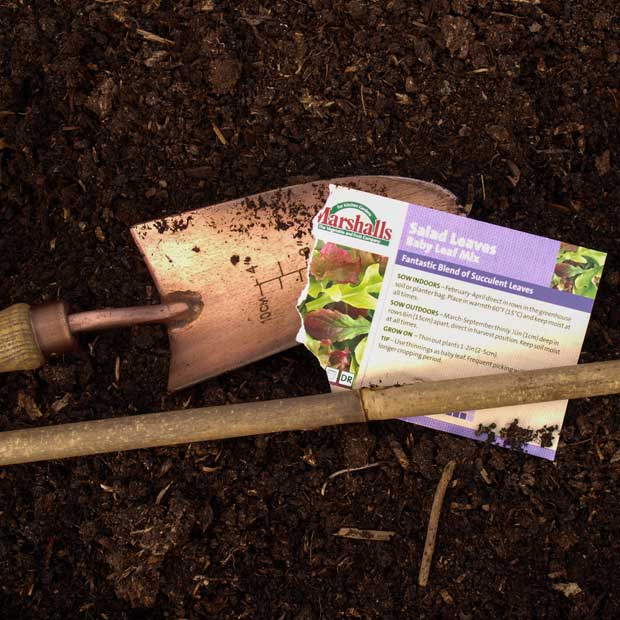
(28, 334)
(19, 349)
(256, 418)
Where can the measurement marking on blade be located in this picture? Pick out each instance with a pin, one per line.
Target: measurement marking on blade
(279, 278)
(265, 312)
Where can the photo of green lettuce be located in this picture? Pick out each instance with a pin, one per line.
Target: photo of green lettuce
(343, 288)
(578, 270)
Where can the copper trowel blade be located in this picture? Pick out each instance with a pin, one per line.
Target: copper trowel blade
(245, 260)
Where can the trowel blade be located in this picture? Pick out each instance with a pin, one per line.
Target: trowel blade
(245, 260)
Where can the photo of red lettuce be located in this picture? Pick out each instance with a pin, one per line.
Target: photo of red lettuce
(344, 285)
(578, 270)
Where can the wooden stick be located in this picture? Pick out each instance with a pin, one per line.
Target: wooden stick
(309, 412)
(489, 391)
(433, 523)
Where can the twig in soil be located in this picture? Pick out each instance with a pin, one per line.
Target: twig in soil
(510, 15)
(399, 453)
(374, 535)
(119, 15)
(559, 207)
(447, 597)
(362, 98)
(59, 404)
(154, 38)
(231, 555)
(219, 134)
(578, 443)
(601, 458)
(433, 523)
(553, 151)
(346, 471)
(161, 494)
(484, 474)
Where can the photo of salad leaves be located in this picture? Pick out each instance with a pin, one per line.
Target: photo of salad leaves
(344, 285)
(578, 270)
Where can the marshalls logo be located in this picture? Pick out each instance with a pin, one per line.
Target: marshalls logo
(356, 220)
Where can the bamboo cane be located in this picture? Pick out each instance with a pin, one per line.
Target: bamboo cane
(309, 412)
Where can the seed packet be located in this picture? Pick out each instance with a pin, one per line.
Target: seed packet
(398, 293)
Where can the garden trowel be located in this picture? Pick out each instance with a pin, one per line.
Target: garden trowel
(228, 275)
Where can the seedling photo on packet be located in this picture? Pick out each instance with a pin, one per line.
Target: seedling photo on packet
(399, 293)
(344, 285)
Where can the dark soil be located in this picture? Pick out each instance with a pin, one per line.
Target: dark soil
(512, 105)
